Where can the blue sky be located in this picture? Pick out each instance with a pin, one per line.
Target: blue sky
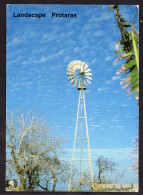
(38, 52)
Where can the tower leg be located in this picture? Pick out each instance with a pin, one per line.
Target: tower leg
(74, 143)
(89, 153)
(81, 135)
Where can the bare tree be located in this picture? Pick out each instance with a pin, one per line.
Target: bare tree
(104, 165)
(28, 140)
(57, 171)
(135, 166)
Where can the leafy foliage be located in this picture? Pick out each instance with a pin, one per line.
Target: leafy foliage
(130, 52)
(127, 49)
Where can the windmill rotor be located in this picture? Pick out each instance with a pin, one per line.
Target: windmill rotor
(84, 76)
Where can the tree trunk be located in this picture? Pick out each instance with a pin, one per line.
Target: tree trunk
(46, 189)
(22, 182)
(30, 180)
(99, 176)
(54, 185)
(55, 181)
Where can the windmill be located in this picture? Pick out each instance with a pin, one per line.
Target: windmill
(80, 74)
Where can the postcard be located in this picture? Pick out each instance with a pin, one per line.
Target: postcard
(72, 98)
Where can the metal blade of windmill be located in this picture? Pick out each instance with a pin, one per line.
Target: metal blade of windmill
(70, 78)
(76, 82)
(78, 61)
(88, 81)
(73, 68)
(76, 66)
(71, 63)
(69, 69)
(87, 74)
(70, 66)
(87, 70)
(73, 80)
(85, 67)
(72, 71)
(85, 83)
(70, 74)
(88, 77)
(74, 63)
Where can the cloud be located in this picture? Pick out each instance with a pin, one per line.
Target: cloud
(105, 16)
(108, 58)
(102, 89)
(120, 126)
(104, 7)
(55, 67)
(114, 120)
(88, 91)
(115, 78)
(124, 105)
(72, 22)
(108, 82)
(94, 125)
(115, 153)
(93, 61)
(76, 49)
(17, 38)
(64, 107)
(48, 37)
(68, 34)
(128, 115)
(43, 59)
(25, 62)
(112, 45)
(14, 53)
(34, 60)
(48, 91)
(90, 118)
(67, 59)
(98, 33)
(14, 61)
(102, 16)
(115, 91)
(58, 126)
(38, 50)
(87, 27)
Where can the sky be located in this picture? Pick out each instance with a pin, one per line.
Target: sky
(38, 53)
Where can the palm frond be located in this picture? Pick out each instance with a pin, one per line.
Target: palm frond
(129, 51)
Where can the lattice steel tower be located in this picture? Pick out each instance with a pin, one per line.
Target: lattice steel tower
(81, 176)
